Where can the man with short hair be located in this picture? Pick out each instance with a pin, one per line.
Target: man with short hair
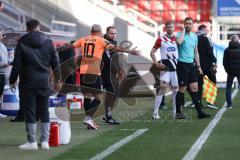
(169, 55)
(34, 58)
(111, 73)
(231, 63)
(92, 48)
(207, 59)
(188, 59)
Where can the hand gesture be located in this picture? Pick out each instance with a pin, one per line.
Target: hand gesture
(134, 51)
(182, 28)
(13, 87)
(160, 66)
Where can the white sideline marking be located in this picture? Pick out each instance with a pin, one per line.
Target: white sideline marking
(117, 145)
(197, 146)
(128, 129)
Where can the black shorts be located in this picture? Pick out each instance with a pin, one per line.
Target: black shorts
(91, 83)
(110, 89)
(186, 73)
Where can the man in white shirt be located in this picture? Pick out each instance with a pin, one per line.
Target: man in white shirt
(3, 66)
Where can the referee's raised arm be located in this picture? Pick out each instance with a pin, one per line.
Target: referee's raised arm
(180, 39)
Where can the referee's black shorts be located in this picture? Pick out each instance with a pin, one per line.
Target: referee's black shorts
(186, 73)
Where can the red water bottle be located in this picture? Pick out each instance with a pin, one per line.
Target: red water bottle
(54, 138)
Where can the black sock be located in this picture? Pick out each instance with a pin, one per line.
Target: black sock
(182, 100)
(179, 100)
(196, 101)
(87, 102)
(95, 103)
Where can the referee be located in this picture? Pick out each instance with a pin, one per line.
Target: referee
(186, 69)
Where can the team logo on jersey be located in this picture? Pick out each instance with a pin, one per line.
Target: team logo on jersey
(171, 49)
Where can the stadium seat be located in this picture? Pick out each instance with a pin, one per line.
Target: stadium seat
(156, 16)
(192, 5)
(168, 5)
(180, 15)
(130, 4)
(193, 15)
(178, 26)
(180, 5)
(205, 5)
(144, 7)
(144, 4)
(205, 15)
(156, 5)
(144, 12)
(168, 15)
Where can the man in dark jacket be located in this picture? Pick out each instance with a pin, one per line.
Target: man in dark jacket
(231, 63)
(34, 56)
(110, 72)
(68, 66)
(208, 61)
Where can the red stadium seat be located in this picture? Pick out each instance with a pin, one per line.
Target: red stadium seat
(205, 15)
(205, 5)
(144, 12)
(144, 7)
(130, 4)
(144, 4)
(168, 15)
(180, 15)
(156, 16)
(192, 5)
(168, 5)
(156, 5)
(178, 26)
(180, 5)
(193, 15)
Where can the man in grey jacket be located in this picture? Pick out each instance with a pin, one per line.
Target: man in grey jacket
(3, 66)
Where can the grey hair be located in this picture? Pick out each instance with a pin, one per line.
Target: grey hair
(96, 28)
(234, 38)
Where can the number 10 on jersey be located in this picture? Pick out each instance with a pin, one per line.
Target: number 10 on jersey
(88, 50)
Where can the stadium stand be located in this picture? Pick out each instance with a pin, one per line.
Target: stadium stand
(199, 10)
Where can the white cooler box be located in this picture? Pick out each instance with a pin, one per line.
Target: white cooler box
(61, 115)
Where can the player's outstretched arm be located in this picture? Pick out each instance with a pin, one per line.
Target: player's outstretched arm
(119, 49)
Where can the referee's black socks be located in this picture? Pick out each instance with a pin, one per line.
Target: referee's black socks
(196, 101)
(90, 105)
(95, 103)
(179, 100)
(87, 103)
